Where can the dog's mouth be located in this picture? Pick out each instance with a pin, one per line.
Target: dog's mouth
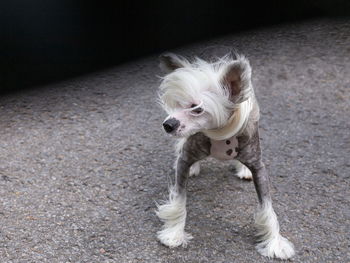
(174, 128)
(181, 133)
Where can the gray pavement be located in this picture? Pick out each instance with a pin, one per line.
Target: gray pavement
(84, 161)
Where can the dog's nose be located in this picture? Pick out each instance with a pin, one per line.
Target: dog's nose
(171, 124)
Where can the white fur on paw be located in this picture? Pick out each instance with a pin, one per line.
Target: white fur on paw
(276, 247)
(173, 214)
(271, 243)
(195, 169)
(174, 237)
(244, 173)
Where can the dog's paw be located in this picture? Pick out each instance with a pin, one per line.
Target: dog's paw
(244, 173)
(173, 214)
(195, 169)
(276, 247)
(174, 237)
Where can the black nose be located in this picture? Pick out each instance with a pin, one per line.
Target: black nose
(171, 125)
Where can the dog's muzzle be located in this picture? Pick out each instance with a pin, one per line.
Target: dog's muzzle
(171, 125)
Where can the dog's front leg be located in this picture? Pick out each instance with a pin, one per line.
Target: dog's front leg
(270, 243)
(173, 212)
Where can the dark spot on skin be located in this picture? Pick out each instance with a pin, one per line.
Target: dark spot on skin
(229, 152)
(228, 142)
(182, 126)
(236, 149)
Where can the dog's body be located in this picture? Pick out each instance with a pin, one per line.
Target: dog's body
(212, 108)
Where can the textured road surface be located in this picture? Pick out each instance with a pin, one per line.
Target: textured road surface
(83, 162)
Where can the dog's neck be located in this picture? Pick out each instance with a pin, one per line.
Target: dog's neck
(235, 124)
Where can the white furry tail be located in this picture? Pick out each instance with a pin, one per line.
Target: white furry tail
(173, 214)
(271, 243)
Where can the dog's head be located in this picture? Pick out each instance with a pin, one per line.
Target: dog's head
(201, 95)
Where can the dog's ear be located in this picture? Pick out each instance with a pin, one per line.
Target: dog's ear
(170, 62)
(237, 79)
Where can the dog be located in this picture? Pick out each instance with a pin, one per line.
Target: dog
(213, 111)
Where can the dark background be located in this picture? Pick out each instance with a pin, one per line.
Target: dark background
(42, 41)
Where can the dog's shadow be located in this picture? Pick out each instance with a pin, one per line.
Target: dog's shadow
(221, 206)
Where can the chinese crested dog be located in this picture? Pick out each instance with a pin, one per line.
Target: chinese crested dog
(213, 111)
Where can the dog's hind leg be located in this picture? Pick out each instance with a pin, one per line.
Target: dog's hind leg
(195, 169)
(242, 171)
(173, 212)
(270, 242)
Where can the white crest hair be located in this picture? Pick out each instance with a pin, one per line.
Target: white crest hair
(235, 125)
(202, 81)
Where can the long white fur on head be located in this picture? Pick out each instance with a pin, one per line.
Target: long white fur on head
(202, 81)
(186, 86)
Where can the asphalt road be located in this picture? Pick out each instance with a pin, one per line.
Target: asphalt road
(84, 161)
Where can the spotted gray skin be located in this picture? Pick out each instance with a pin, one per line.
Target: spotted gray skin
(249, 154)
(197, 147)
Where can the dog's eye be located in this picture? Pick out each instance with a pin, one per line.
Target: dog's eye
(196, 110)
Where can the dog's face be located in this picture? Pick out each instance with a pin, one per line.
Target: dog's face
(201, 96)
